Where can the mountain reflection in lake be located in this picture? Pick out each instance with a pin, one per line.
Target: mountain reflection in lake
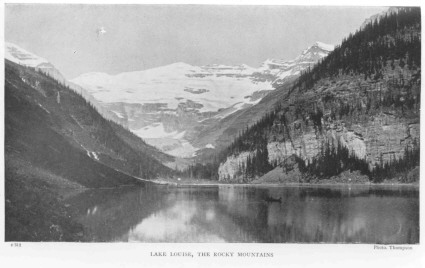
(348, 214)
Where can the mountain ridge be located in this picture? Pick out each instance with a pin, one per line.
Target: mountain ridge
(357, 110)
(181, 98)
(57, 145)
(72, 118)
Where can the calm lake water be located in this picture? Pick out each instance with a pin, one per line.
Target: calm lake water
(341, 214)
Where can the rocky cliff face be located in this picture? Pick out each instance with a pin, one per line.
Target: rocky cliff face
(230, 170)
(353, 116)
(357, 109)
(383, 137)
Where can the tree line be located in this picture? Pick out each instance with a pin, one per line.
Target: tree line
(395, 36)
(134, 161)
(390, 41)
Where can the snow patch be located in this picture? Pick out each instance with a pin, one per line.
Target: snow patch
(120, 115)
(20, 56)
(92, 154)
(222, 86)
(157, 130)
(95, 156)
(185, 150)
(44, 108)
(324, 46)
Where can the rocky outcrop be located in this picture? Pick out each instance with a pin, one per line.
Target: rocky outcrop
(305, 146)
(230, 170)
(349, 111)
(383, 137)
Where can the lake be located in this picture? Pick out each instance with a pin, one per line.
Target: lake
(226, 213)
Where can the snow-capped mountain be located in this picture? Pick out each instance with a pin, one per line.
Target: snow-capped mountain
(209, 88)
(23, 57)
(19, 55)
(282, 69)
(167, 105)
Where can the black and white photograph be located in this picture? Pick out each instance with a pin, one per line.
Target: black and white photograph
(212, 124)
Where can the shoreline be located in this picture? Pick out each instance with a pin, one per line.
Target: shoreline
(212, 183)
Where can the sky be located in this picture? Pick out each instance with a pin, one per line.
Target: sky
(119, 38)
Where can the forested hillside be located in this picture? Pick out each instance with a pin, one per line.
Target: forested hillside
(356, 110)
(36, 103)
(57, 144)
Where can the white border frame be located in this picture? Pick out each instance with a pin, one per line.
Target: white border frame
(137, 254)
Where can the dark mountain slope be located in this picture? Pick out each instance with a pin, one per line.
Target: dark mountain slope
(137, 143)
(45, 119)
(56, 145)
(357, 109)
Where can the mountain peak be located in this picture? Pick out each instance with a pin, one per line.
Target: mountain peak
(21, 56)
(179, 65)
(315, 52)
(324, 46)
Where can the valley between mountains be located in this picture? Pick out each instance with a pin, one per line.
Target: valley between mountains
(344, 114)
(241, 124)
(183, 109)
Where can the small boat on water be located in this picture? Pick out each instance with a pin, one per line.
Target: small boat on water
(271, 199)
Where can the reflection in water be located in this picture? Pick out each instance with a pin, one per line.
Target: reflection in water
(177, 223)
(355, 214)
